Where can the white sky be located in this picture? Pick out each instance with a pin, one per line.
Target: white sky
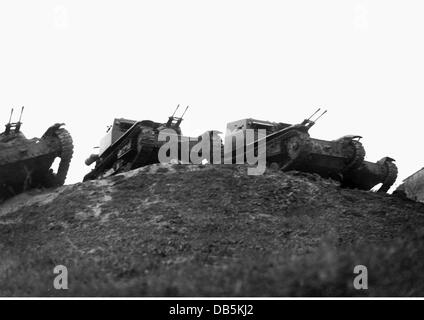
(87, 62)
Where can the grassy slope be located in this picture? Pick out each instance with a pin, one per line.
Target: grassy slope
(213, 231)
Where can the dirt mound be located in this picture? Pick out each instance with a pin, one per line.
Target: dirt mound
(175, 230)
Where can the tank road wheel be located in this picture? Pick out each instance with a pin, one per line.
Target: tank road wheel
(66, 152)
(358, 157)
(293, 147)
(391, 174)
(65, 155)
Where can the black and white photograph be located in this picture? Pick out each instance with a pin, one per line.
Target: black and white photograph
(193, 150)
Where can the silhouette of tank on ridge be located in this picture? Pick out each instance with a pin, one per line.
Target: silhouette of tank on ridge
(26, 163)
(290, 147)
(130, 144)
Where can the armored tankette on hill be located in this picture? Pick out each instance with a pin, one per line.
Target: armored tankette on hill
(26, 163)
(290, 147)
(131, 144)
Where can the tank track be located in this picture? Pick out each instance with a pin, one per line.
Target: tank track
(358, 157)
(391, 176)
(65, 156)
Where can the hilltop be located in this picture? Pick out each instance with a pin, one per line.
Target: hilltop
(175, 230)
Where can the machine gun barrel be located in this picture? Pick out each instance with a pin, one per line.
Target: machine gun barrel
(11, 114)
(175, 111)
(314, 114)
(184, 112)
(180, 119)
(309, 123)
(20, 117)
(320, 116)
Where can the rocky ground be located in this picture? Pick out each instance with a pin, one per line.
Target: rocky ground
(174, 230)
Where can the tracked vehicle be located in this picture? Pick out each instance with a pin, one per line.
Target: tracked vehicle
(130, 144)
(370, 174)
(26, 163)
(290, 147)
